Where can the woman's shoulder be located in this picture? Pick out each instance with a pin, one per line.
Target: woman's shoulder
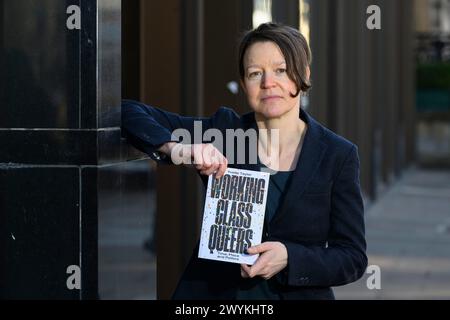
(339, 150)
(336, 143)
(338, 140)
(322, 133)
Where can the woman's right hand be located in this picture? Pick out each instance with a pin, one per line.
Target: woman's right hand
(205, 157)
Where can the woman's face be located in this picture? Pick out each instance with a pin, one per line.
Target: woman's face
(266, 82)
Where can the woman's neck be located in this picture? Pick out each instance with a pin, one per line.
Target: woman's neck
(288, 129)
(280, 141)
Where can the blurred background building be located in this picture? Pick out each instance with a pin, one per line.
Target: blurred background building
(73, 192)
(432, 52)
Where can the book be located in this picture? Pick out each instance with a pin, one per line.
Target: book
(233, 216)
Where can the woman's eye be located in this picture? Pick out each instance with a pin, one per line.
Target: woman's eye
(254, 74)
(281, 70)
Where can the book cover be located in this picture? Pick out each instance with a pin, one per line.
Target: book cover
(233, 216)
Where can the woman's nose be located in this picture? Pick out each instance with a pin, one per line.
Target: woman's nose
(267, 80)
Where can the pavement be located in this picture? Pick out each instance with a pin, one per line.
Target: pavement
(127, 268)
(408, 237)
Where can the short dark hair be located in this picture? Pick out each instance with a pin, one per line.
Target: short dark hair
(292, 44)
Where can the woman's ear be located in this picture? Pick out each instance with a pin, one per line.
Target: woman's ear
(308, 72)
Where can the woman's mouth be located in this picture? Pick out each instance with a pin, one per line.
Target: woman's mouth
(270, 98)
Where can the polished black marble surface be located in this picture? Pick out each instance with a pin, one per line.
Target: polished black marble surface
(40, 219)
(69, 194)
(46, 147)
(65, 147)
(101, 64)
(40, 61)
(88, 67)
(109, 63)
(49, 213)
(109, 150)
(89, 227)
(42, 86)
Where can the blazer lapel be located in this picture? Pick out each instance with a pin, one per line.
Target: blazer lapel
(249, 122)
(311, 155)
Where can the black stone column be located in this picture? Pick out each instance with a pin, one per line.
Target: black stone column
(286, 12)
(70, 194)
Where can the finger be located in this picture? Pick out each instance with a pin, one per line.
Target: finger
(203, 168)
(258, 267)
(217, 157)
(209, 154)
(267, 276)
(177, 154)
(244, 274)
(246, 269)
(260, 248)
(222, 168)
(197, 155)
(215, 168)
(210, 170)
(187, 154)
(199, 160)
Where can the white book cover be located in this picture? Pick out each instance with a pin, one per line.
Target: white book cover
(233, 217)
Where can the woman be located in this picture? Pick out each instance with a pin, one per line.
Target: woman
(314, 231)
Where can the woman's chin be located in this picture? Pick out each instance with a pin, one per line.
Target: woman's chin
(272, 112)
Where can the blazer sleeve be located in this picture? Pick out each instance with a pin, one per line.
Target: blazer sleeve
(344, 259)
(147, 127)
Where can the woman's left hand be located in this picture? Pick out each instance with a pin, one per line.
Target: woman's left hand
(273, 258)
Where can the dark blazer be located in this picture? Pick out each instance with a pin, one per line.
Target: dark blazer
(320, 221)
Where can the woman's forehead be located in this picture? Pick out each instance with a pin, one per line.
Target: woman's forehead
(267, 52)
